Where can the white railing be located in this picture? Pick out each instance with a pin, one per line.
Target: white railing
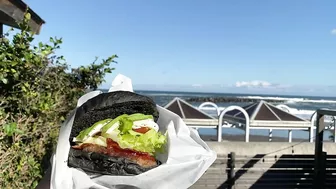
(211, 104)
(310, 126)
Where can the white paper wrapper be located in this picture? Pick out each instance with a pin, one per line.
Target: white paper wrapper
(187, 158)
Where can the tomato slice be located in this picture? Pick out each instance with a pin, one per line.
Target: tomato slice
(114, 148)
(142, 130)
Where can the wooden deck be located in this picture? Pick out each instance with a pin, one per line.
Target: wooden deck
(214, 177)
(265, 171)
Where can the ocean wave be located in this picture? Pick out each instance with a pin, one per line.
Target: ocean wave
(288, 100)
(172, 94)
(159, 94)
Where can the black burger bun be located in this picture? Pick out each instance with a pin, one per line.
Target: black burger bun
(111, 105)
(93, 162)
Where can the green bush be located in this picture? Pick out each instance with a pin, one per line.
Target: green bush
(37, 91)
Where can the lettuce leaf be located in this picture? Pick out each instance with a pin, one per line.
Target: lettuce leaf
(139, 116)
(111, 123)
(95, 128)
(125, 125)
(150, 142)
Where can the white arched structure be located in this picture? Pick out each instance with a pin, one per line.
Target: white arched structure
(204, 104)
(220, 122)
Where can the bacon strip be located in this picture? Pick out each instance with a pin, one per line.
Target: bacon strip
(113, 149)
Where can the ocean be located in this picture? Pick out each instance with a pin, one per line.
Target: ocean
(302, 106)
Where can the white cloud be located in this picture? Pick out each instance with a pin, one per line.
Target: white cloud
(253, 84)
(333, 31)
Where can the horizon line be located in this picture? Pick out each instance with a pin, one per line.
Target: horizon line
(235, 94)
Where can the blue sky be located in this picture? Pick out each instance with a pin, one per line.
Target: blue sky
(265, 46)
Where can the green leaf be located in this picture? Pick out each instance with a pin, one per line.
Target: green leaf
(9, 129)
(125, 125)
(112, 122)
(139, 117)
(37, 88)
(150, 142)
(18, 131)
(4, 80)
(27, 16)
(83, 135)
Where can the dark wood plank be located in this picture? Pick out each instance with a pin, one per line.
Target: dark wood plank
(12, 11)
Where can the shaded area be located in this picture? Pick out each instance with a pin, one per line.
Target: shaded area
(232, 175)
(289, 171)
(45, 182)
(263, 171)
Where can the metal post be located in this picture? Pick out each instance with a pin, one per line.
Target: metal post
(219, 132)
(290, 136)
(1, 30)
(231, 166)
(318, 169)
(334, 133)
(311, 134)
(323, 170)
(311, 129)
(247, 130)
(270, 133)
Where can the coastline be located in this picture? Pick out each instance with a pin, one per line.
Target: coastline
(222, 99)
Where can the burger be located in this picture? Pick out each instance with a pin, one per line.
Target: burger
(116, 133)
